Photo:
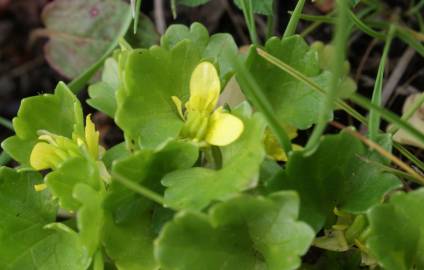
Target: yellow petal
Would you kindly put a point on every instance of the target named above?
(290, 130)
(43, 156)
(179, 106)
(40, 187)
(223, 128)
(91, 138)
(204, 88)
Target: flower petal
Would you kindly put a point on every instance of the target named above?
(204, 88)
(224, 128)
(43, 156)
(179, 106)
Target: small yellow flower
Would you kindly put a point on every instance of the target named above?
(273, 148)
(203, 124)
(52, 150)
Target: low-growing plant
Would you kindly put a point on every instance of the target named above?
(208, 175)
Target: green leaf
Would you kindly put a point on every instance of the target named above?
(25, 242)
(130, 244)
(192, 3)
(326, 54)
(102, 94)
(293, 101)
(335, 175)
(241, 160)
(396, 236)
(79, 41)
(263, 7)
(243, 233)
(145, 111)
(129, 228)
(90, 216)
(59, 113)
(147, 167)
(62, 181)
(114, 153)
(214, 48)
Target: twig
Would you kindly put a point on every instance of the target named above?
(397, 75)
(159, 16)
(364, 59)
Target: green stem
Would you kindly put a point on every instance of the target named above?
(365, 28)
(6, 123)
(416, 8)
(137, 15)
(374, 117)
(271, 22)
(340, 43)
(131, 185)
(246, 6)
(259, 100)
(174, 9)
(294, 19)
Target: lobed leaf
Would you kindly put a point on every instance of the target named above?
(243, 233)
(26, 243)
(241, 160)
(396, 236)
(336, 175)
(59, 113)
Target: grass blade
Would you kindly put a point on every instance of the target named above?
(294, 19)
(374, 117)
(255, 95)
(340, 43)
(136, 15)
(247, 7)
(6, 123)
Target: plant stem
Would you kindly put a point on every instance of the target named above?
(271, 22)
(294, 19)
(6, 123)
(249, 17)
(131, 185)
(340, 43)
(374, 117)
(136, 15)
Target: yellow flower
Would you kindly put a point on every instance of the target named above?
(273, 148)
(52, 150)
(203, 124)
